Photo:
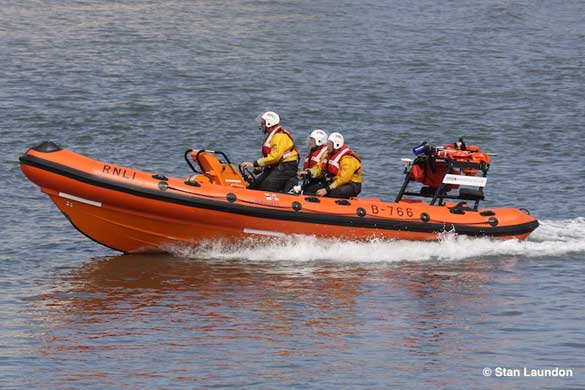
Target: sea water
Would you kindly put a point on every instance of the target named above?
(136, 83)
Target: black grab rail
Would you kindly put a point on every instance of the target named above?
(227, 160)
(189, 162)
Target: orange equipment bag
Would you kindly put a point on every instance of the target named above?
(430, 173)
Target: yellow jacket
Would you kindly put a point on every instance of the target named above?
(350, 170)
(317, 169)
(281, 150)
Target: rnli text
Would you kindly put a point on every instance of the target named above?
(116, 171)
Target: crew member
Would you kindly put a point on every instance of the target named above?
(310, 179)
(342, 168)
(279, 159)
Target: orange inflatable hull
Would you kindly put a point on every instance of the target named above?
(130, 210)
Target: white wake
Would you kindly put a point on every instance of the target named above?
(552, 238)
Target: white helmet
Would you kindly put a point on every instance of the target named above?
(271, 118)
(319, 136)
(336, 139)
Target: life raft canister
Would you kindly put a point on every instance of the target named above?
(331, 163)
(266, 145)
(313, 158)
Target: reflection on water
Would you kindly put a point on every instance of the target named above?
(170, 292)
(208, 319)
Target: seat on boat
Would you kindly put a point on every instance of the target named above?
(471, 194)
(223, 174)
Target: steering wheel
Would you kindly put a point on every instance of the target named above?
(248, 175)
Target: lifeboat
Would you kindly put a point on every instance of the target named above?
(136, 211)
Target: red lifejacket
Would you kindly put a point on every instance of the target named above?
(313, 158)
(331, 164)
(266, 145)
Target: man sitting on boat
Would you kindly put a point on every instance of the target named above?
(309, 181)
(279, 159)
(342, 169)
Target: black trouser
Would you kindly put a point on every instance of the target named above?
(310, 186)
(274, 178)
(346, 191)
(293, 181)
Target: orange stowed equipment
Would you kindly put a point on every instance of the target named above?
(216, 172)
(432, 164)
(464, 153)
(430, 172)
